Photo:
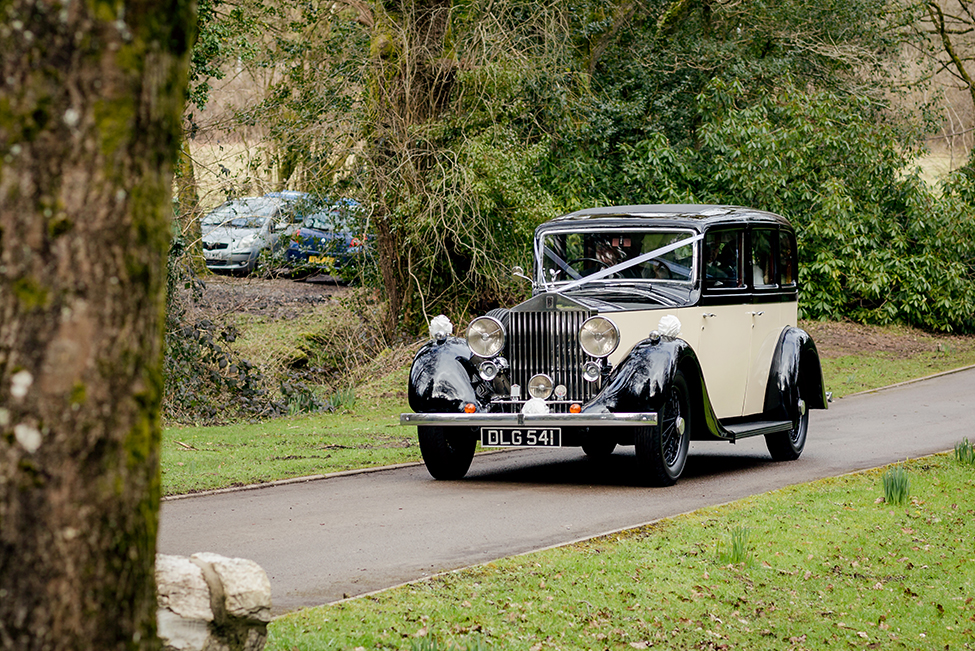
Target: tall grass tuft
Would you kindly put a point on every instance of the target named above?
(965, 453)
(739, 547)
(897, 486)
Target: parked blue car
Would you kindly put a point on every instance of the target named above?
(329, 240)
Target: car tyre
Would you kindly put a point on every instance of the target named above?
(661, 450)
(787, 446)
(599, 445)
(447, 451)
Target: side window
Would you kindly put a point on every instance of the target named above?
(787, 259)
(723, 261)
(763, 258)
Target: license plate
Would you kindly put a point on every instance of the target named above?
(320, 259)
(521, 437)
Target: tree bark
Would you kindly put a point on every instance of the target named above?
(90, 102)
(409, 86)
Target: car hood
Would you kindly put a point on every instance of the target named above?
(227, 235)
(611, 298)
(314, 233)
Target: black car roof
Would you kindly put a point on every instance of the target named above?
(698, 217)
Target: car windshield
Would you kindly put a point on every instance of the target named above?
(326, 221)
(251, 208)
(573, 258)
(250, 221)
(338, 218)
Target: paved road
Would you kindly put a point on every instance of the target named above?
(322, 540)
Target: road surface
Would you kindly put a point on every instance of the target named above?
(321, 541)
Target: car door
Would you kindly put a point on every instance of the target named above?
(724, 346)
(770, 311)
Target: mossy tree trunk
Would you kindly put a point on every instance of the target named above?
(411, 78)
(90, 102)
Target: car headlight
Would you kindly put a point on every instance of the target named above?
(485, 336)
(599, 336)
(246, 243)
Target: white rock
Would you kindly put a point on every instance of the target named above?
(246, 588)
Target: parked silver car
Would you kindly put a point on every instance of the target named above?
(235, 233)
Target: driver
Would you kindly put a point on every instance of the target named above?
(609, 253)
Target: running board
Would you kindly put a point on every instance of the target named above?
(757, 428)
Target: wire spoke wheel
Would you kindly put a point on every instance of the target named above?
(787, 446)
(662, 449)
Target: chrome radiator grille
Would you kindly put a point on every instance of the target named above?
(548, 342)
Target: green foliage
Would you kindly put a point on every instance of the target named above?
(897, 486)
(205, 381)
(965, 453)
(208, 380)
(876, 244)
(461, 140)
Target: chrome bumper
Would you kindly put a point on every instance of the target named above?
(534, 420)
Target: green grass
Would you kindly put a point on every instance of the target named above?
(854, 373)
(830, 565)
(367, 434)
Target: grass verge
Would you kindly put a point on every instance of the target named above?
(367, 434)
(827, 565)
(854, 373)
(363, 435)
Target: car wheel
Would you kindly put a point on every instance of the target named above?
(599, 445)
(662, 449)
(447, 451)
(787, 446)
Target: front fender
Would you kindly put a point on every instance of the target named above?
(440, 377)
(639, 381)
(795, 365)
(643, 377)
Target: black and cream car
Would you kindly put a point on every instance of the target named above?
(648, 326)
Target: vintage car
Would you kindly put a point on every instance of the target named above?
(648, 326)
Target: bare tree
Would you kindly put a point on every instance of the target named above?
(90, 102)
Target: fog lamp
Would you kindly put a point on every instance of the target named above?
(540, 386)
(591, 371)
(488, 370)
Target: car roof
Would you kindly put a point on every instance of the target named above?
(288, 195)
(253, 205)
(698, 217)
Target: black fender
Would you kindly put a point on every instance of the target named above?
(640, 381)
(795, 364)
(442, 377)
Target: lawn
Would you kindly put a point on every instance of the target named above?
(825, 565)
